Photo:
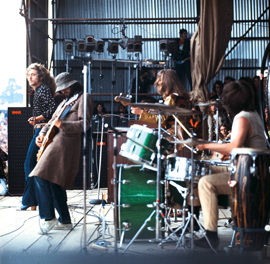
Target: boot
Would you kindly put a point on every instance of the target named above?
(212, 237)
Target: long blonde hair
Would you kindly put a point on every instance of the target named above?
(43, 74)
(170, 84)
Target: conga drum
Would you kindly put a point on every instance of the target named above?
(250, 194)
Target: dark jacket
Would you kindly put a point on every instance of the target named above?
(184, 53)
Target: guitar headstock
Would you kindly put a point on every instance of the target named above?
(124, 100)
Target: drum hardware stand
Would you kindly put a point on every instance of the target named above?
(184, 192)
(126, 226)
(139, 231)
(177, 139)
(192, 215)
(242, 231)
(102, 244)
(158, 180)
(98, 201)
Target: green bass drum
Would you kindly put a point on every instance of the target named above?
(136, 190)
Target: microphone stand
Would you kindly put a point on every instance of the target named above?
(115, 151)
(98, 201)
(84, 152)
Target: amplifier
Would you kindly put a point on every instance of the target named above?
(20, 134)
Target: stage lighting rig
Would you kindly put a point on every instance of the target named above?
(131, 44)
(99, 45)
(138, 44)
(68, 45)
(80, 45)
(113, 46)
(89, 43)
(167, 46)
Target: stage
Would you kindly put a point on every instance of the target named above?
(21, 243)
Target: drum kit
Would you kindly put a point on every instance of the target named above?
(142, 187)
(139, 189)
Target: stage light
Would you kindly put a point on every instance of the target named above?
(80, 45)
(99, 45)
(164, 45)
(167, 46)
(138, 44)
(89, 43)
(130, 45)
(113, 46)
(68, 45)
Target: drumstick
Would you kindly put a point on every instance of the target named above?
(177, 120)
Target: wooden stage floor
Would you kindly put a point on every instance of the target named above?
(21, 243)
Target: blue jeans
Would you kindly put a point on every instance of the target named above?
(50, 196)
(29, 196)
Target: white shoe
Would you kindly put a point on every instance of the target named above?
(46, 226)
(61, 226)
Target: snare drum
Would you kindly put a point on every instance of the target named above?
(179, 170)
(136, 192)
(141, 145)
(250, 182)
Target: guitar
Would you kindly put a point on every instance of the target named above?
(53, 129)
(124, 100)
(182, 61)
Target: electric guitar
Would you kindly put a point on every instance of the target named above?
(182, 61)
(53, 129)
(124, 100)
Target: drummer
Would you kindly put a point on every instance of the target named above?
(247, 131)
(173, 93)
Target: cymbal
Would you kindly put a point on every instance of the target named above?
(211, 103)
(183, 113)
(192, 142)
(167, 109)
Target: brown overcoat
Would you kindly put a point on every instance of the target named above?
(60, 161)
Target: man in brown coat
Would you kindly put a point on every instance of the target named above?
(58, 165)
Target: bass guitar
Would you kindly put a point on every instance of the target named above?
(53, 129)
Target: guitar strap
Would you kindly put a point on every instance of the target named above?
(65, 112)
(68, 107)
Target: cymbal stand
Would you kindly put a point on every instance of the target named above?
(158, 179)
(192, 215)
(176, 139)
(184, 193)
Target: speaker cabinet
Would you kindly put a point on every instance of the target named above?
(20, 134)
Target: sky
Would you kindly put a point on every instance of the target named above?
(12, 45)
